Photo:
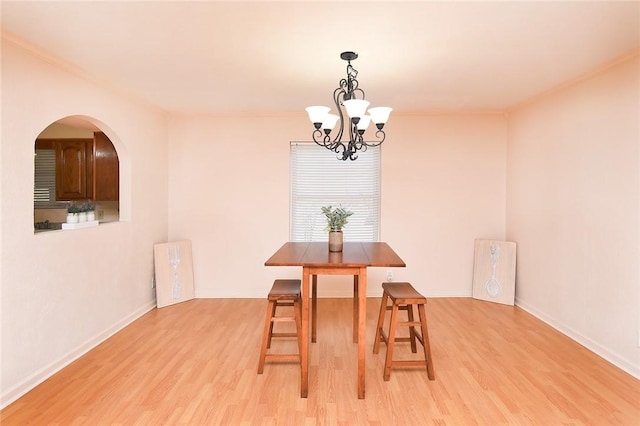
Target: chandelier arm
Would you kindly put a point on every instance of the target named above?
(344, 84)
(356, 137)
(341, 150)
(378, 142)
(357, 90)
(353, 149)
(327, 143)
(322, 144)
(352, 82)
(316, 133)
(335, 146)
(336, 99)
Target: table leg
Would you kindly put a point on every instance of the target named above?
(314, 307)
(304, 332)
(362, 320)
(355, 308)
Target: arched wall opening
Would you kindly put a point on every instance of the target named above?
(79, 162)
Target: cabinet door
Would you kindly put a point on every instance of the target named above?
(106, 170)
(71, 166)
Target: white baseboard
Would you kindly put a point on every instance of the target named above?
(9, 396)
(341, 292)
(446, 294)
(594, 347)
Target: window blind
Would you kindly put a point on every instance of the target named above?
(44, 188)
(318, 178)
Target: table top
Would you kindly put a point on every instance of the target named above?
(353, 254)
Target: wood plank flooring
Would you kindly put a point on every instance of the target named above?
(196, 364)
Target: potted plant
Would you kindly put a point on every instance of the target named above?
(90, 208)
(336, 219)
(73, 211)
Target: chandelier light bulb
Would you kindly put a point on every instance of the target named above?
(364, 123)
(317, 114)
(356, 107)
(329, 121)
(380, 115)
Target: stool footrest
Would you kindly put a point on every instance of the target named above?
(285, 302)
(408, 363)
(274, 334)
(408, 324)
(403, 339)
(283, 319)
(282, 357)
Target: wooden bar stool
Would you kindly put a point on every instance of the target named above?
(403, 296)
(283, 293)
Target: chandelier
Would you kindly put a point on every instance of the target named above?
(351, 97)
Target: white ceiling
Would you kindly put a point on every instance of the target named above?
(201, 57)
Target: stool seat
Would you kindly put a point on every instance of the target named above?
(403, 297)
(283, 293)
(403, 293)
(284, 290)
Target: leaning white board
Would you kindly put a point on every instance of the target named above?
(174, 272)
(494, 271)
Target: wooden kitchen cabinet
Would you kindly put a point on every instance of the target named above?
(106, 169)
(74, 169)
(86, 169)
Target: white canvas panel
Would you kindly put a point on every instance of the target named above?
(174, 273)
(494, 271)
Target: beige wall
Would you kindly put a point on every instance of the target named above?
(63, 292)
(443, 184)
(573, 207)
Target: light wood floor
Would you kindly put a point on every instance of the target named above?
(195, 364)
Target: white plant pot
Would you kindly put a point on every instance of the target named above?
(91, 216)
(72, 217)
(82, 217)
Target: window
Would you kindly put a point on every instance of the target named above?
(44, 191)
(319, 179)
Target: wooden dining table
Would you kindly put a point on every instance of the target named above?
(316, 259)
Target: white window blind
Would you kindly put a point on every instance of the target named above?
(44, 188)
(319, 179)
